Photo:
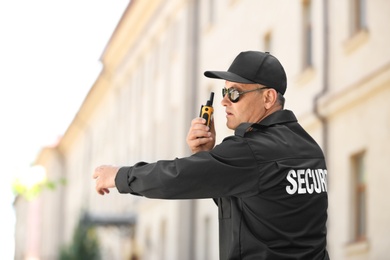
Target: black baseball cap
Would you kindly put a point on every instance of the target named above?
(251, 67)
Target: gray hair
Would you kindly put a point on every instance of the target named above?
(280, 100)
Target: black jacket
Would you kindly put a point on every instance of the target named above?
(269, 181)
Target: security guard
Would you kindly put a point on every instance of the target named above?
(268, 180)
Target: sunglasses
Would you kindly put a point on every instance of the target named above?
(234, 94)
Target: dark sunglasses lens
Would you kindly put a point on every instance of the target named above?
(233, 94)
(224, 91)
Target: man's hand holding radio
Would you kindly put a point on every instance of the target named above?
(200, 137)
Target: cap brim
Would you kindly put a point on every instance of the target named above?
(226, 75)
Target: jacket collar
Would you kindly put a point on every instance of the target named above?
(278, 117)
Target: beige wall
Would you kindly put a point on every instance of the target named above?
(152, 85)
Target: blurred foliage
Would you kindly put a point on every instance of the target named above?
(85, 244)
(30, 192)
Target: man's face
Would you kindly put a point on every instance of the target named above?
(248, 109)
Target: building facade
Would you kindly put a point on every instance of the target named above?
(337, 60)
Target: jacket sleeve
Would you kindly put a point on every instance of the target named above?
(230, 169)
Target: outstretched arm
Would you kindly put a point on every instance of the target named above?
(200, 138)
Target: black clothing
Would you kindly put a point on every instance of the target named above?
(269, 184)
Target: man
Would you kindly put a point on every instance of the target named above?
(268, 180)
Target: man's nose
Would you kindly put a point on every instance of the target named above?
(225, 101)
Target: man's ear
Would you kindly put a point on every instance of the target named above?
(270, 97)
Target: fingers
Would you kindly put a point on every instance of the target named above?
(103, 191)
(96, 173)
(198, 136)
(99, 171)
(198, 129)
(105, 178)
(201, 137)
(99, 184)
(212, 129)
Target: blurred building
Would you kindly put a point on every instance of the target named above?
(337, 58)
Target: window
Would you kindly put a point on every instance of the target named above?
(207, 13)
(207, 238)
(211, 14)
(359, 212)
(358, 16)
(307, 35)
(163, 240)
(148, 245)
(268, 43)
